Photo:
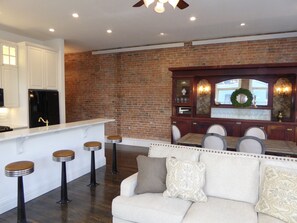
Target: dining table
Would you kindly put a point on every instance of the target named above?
(272, 147)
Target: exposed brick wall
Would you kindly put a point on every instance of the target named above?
(135, 87)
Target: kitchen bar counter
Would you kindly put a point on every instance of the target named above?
(37, 145)
(27, 132)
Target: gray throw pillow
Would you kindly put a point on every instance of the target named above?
(151, 175)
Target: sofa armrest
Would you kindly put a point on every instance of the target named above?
(128, 185)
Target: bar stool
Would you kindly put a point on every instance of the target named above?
(63, 156)
(20, 169)
(92, 146)
(114, 139)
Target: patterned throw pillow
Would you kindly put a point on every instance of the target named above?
(279, 194)
(185, 179)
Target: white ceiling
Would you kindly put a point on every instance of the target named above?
(142, 26)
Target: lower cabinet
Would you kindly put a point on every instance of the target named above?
(245, 125)
(201, 127)
(274, 130)
(184, 126)
(281, 132)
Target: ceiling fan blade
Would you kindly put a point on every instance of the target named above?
(182, 4)
(138, 4)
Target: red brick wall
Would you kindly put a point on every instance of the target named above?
(135, 87)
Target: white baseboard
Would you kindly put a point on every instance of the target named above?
(141, 142)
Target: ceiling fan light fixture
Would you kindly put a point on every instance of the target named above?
(173, 3)
(159, 7)
(148, 2)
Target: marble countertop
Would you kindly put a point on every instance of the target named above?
(27, 132)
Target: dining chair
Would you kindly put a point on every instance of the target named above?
(175, 134)
(216, 128)
(256, 132)
(214, 141)
(250, 144)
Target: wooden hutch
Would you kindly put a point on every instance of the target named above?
(194, 99)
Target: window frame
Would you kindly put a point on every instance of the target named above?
(9, 45)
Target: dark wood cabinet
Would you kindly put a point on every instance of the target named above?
(183, 125)
(281, 132)
(192, 111)
(201, 126)
(246, 125)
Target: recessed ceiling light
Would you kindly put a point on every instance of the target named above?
(162, 34)
(193, 18)
(242, 24)
(75, 15)
(51, 30)
(109, 31)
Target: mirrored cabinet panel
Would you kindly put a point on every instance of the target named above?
(258, 89)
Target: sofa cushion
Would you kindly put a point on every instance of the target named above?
(217, 210)
(264, 218)
(185, 179)
(233, 177)
(151, 176)
(169, 150)
(279, 194)
(150, 207)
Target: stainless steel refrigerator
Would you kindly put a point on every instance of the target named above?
(43, 107)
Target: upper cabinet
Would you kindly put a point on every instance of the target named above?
(50, 80)
(9, 77)
(182, 96)
(40, 66)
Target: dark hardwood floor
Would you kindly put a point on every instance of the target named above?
(88, 205)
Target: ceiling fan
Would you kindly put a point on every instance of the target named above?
(181, 4)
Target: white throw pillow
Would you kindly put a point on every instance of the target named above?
(185, 180)
(279, 194)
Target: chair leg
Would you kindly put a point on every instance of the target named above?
(21, 202)
(114, 159)
(93, 171)
(64, 195)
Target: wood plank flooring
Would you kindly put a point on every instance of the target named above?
(88, 205)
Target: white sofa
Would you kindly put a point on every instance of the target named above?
(232, 186)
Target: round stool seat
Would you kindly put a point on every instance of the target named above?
(92, 146)
(63, 155)
(18, 169)
(114, 139)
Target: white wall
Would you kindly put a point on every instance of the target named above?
(17, 38)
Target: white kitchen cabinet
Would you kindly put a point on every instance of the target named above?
(35, 67)
(42, 68)
(51, 70)
(10, 85)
